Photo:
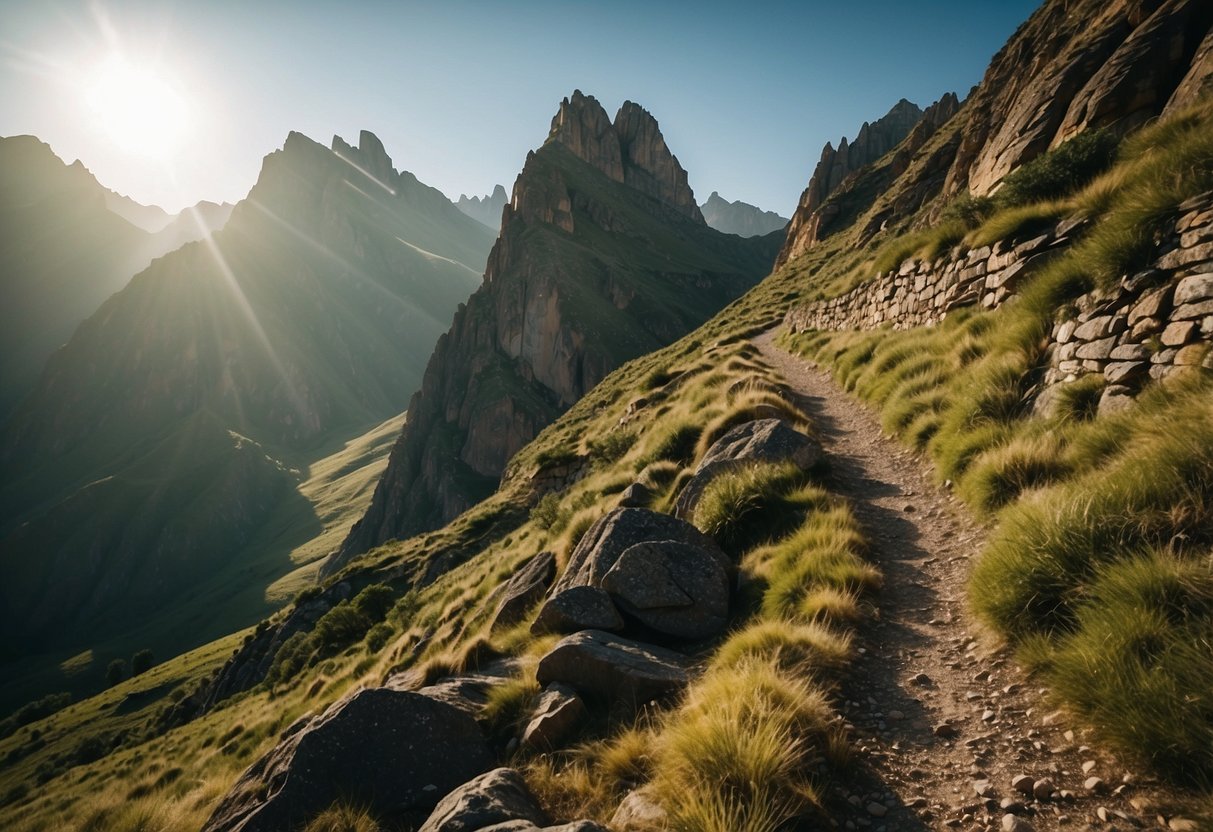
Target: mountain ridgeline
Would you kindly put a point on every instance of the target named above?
(603, 256)
(66, 244)
(184, 412)
(739, 217)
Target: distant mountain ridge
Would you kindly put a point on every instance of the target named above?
(180, 416)
(66, 244)
(603, 255)
(739, 217)
(486, 209)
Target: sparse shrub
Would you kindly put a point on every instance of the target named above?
(343, 818)
(1061, 171)
(611, 446)
(115, 672)
(291, 657)
(342, 625)
(34, 711)
(141, 662)
(545, 512)
(674, 443)
(970, 210)
(378, 636)
(374, 601)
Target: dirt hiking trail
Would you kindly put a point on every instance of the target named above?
(945, 725)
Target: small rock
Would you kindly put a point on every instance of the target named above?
(946, 730)
(1095, 785)
(983, 788)
(1088, 766)
(1102, 813)
(1014, 823)
(1023, 784)
(877, 810)
(556, 716)
(1010, 804)
(921, 680)
(1182, 825)
(1043, 789)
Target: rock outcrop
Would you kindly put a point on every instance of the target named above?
(740, 218)
(556, 716)
(524, 589)
(495, 797)
(1077, 66)
(577, 608)
(674, 588)
(605, 542)
(376, 747)
(576, 285)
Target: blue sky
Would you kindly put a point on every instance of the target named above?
(746, 93)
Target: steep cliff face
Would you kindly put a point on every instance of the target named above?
(739, 217)
(603, 256)
(1077, 66)
(307, 319)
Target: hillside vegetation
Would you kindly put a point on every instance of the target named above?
(1099, 568)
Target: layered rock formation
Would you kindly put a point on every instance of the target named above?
(739, 217)
(1077, 66)
(485, 210)
(148, 456)
(603, 256)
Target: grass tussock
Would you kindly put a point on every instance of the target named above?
(343, 818)
(753, 504)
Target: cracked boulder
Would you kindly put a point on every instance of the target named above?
(675, 588)
(577, 608)
(618, 530)
(524, 589)
(600, 664)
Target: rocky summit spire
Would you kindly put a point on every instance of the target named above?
(630, 150)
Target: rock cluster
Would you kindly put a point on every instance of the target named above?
(1153, 323)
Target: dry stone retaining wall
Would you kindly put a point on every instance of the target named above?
(1153, 323)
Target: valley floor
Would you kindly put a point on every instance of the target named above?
(945, 722)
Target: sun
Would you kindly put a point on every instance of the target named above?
(140, 110)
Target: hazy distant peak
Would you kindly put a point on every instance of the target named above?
(739, 217)
(485, 209)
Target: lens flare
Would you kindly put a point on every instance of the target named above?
(141, 111)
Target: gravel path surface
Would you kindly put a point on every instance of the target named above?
(945, 724)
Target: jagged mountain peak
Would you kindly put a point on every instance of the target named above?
(631, 149)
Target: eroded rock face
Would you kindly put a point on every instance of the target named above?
(1090, 64)
(760, 441)
(494, 797)
(675, 588)
(375, 747)
(604, 542)
(604, 665)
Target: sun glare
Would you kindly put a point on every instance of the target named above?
(137, 107)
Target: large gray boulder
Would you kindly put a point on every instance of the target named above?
(395, 752)
(600, 664)
(760, 441)
(675, 588)
(618, 530)
(577, 608)
(524, 589)
(495, 797)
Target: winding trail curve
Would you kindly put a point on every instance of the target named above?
(944, 722)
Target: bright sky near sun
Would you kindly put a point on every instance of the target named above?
(173, 102)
